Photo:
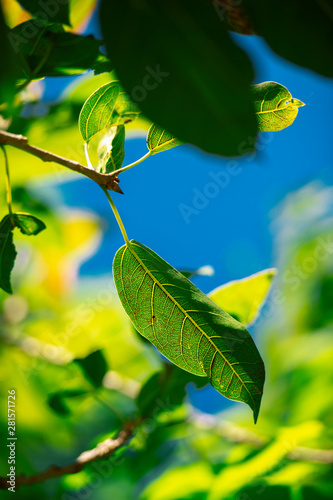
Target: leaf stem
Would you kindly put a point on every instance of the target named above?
(117, 216)
(123, 169)
(8, 186)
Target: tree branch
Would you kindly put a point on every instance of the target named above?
(110, 181)
(102, 450)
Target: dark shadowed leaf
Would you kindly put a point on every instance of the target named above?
(7, 253)
(166, 390)
(47, 50)
(8, 70)
(275, 107)
(28, 225)
(186, 326)
(94, 366)
(179, 63)
(301, 31)
(53, 12)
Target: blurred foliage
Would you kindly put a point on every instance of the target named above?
(59, 327)
(52, 329)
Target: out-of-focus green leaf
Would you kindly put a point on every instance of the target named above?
(47, 50)
(186, 326)
(275, 107)
(94, 366)
(179, 63)
(233, 478)
(7, 253)
(111, 150)
(57, 401)
(54, 11)
(166, 390)
(244, 298)
(302, 34)
(28, 224)
(159, 140)
(185, 482)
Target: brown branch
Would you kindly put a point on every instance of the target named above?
(110, 181)
(102, 450)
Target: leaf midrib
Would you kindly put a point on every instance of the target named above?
(289, 105)
(129, 246)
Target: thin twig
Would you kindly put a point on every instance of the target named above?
(102, 450)
(109, 181)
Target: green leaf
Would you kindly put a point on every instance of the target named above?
(7, 253)
(186, 326)
(111, 150)
(97, 112)
(54, 11)
(181, 66)
(275, 107)
(244, 298)
(57, 401)
(50, 51)
(106, 107)
(94, 367)
(301, 31)
(159, 140)
(28, 224)
(165, 390)
(126, 109)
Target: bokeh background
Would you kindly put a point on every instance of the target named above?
(273, 208)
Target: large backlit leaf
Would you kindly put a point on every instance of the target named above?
(244, 298)
(180, 64)
(186, 326)
(159, 140)
(301, 31)
(55, 12)
(7, 253)
(275, 107)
